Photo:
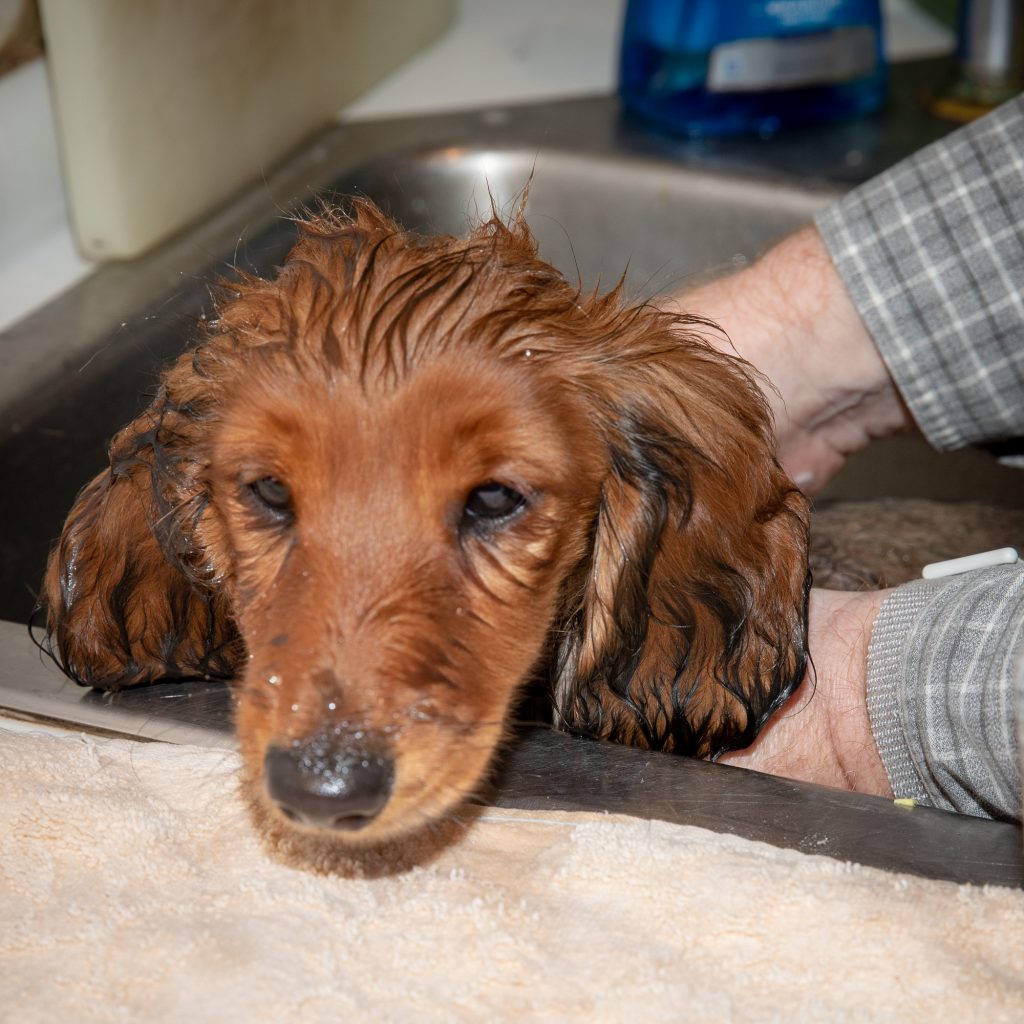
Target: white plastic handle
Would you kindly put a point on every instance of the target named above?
(982, 560)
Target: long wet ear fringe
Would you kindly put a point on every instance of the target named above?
(691, 627)
(127, 594)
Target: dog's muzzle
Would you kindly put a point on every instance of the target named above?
(336, 780)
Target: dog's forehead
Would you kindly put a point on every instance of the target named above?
(474, 413)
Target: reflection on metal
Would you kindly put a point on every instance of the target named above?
(33, 688)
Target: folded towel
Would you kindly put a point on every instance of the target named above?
(133, 887)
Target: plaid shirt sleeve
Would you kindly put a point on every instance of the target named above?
(932, 254)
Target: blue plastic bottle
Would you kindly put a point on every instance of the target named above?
(722, 67)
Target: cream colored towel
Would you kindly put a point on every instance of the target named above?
(132, 888)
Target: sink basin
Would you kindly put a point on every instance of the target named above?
(605, 199)
(672, 226)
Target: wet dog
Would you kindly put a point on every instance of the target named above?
(406, 477)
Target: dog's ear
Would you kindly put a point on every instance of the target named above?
(127, 595)
(691, 629)
(133, 590)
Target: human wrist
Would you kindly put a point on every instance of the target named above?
(822, 734)
(840, 626)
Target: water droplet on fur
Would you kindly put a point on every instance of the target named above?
(274, 680)
(420, 712)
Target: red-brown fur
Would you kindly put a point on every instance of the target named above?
(656, 576)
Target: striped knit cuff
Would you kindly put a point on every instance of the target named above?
(886, 669)
(940, 690)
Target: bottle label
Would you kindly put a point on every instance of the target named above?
(753, 65)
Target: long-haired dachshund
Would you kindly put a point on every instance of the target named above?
(408, 476)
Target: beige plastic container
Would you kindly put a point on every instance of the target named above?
(166, 107)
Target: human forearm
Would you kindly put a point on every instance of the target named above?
(790, 316)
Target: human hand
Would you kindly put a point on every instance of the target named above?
(790, 316)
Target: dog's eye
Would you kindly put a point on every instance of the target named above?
(491, 503)
(272, 493)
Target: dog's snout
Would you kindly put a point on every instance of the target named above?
(330, 781)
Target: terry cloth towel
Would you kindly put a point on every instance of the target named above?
(133, 888)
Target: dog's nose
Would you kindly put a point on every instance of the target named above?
(330, 781)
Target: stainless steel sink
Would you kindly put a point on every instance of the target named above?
(605, 199)
(668, 226)
(82, 367)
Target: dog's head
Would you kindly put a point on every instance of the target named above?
(407, 475)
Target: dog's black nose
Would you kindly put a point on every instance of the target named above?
(331, 780)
